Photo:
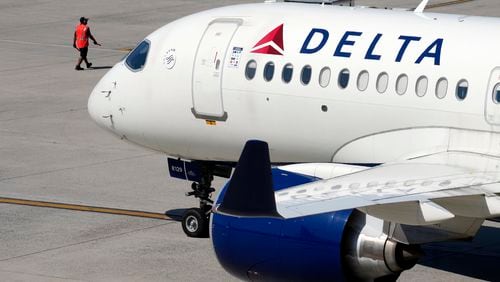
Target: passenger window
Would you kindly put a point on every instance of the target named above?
(287, 73)
(462, 89)
(363, 79)
(137, 58)
(496, 94)
(441, 88)
(305, 76)
(421, 86)
(324, 77)
(251, 69)
(269, 71)
(344, 76)
(402, 84)
(382, 82)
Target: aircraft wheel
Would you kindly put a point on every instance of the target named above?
(195, 223)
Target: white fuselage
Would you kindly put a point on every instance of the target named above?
(192, 98)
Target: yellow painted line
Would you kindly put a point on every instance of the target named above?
(449, 3)
(124, 49)
(73, 207)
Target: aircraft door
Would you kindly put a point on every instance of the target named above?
(492, 112)
(208, 69)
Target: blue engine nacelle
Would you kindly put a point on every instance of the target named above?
(335, 246)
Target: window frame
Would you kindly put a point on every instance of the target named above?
(326, 68)
(145, 60)
(437, 87)
(494, 93)
(264, 71)
(398, 80)
(367, 80)
(283, 73)
(422, 77)
(302, 75)
(384, 73)
(458, 86)
(246, 69)
(341, 72)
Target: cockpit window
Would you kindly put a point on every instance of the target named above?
(137, 58)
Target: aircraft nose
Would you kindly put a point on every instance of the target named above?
(94, 107)
(98, 106)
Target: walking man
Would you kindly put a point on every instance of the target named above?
(81, 42)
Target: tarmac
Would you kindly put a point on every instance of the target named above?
(51, 151)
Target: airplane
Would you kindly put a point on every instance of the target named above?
(356, 134)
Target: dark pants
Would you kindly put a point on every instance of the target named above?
(84, 52)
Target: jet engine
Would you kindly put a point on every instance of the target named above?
(338, 246)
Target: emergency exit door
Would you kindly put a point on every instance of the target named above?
(492, 112)
(208, 69)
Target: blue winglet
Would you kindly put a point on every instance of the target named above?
(250, 191)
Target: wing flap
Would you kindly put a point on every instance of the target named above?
(420, 191)
(411, 213)
(478, 206)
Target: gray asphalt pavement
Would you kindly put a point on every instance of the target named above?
(50, 150)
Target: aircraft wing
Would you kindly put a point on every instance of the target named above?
(421, 191)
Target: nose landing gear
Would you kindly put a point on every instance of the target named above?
(196, 221)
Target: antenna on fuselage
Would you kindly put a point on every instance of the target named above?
(421, 7)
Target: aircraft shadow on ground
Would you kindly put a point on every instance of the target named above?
(479, 258)
(176, 214)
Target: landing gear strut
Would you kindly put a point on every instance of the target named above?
(195, 221)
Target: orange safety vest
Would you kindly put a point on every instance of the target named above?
(82, 39)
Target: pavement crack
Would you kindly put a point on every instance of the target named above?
(86, 242)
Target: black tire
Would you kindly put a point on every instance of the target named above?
(195, 223)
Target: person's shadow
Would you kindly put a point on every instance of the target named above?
(100, 67)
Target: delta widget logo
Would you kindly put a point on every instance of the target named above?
(271, 44)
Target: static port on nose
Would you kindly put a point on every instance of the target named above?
(98, 105)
